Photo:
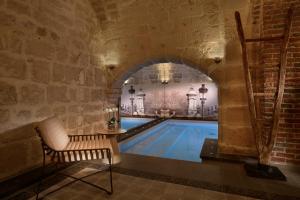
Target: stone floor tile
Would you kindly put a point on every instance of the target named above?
(213, 195)
(175, 189)
(134, 188)
(192, 193)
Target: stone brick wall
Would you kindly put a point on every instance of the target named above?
(54, 55)
(287, 146)
(48, 66)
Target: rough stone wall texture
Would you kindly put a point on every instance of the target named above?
(287, 144)
(48, 66)
(53, 55)
(140, 33)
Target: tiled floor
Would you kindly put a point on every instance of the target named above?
(135, 188)
(213, 175)
(142, 177)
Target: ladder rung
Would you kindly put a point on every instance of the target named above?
(260, 119)
(264, 39)
(263, 67)
(263, 94)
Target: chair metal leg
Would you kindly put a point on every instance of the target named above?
(75, 179)
(41, 177)
(110, 176)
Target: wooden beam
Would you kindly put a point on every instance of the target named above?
(264, 94)
(265, 39)
(281, 82)
(262, 67)
(247, 75)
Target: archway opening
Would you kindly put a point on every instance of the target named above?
(168, 89)
(182, 99)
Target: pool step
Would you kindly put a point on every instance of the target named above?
(210, 152)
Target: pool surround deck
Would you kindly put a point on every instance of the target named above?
(220, 176)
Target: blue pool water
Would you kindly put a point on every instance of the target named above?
(128, 122)
(175, 139)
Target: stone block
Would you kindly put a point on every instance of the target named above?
(76, 44)
(15, 43)
(17, 134)
(7, 20)
(218, 75)
(73, 94)
(62, 54)
(32, 94)
(233, 4)
(58, 73)
(57, 94)
(72, 122)
(75, 109)
(80, 120)
(236, 150)
(233, 52)
(44, 16)
(95, 60)
(13, 158)
(40, 71)
(238, 136)
(18, 7)
(89, 119)
(44, 112)
(12, 41)
(60, 110)
(74, 75)
(54, 36)
(236, 116)
(88, 129)
(12, 67)
(234, 75)
(74, 57)
(233, 95)
(99, 126)
(84, 95)
(85, 60)
(97, 95)
(24, 115)
(41, 32)
(89, 77)
(4, 115)
(40, 49)
(4, 38)
(91, 108)
(8, 94)
(35, 151)
(99, 77)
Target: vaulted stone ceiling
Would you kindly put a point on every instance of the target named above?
(176, 73)
(133, 32)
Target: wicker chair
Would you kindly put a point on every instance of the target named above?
(63, 148)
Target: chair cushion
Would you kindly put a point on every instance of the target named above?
(53, 133)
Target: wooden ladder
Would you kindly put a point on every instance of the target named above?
(265, 147)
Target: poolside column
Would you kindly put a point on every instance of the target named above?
(131, 92)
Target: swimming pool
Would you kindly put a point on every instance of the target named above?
(175, 139)
(129, 122)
